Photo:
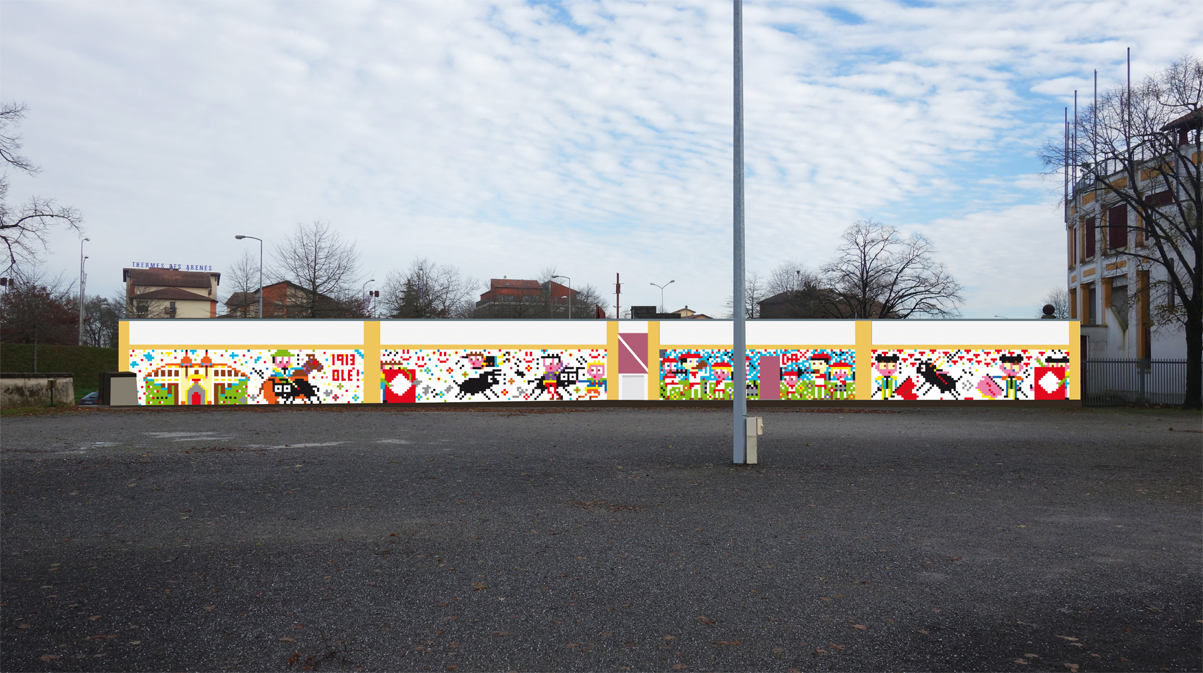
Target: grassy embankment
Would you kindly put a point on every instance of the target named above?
(84, 362)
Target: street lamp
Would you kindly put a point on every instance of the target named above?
(82, 279)
(569, 294)
(240, 237)
(363, 295)
(662, 292)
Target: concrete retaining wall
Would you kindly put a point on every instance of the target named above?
(26, 389)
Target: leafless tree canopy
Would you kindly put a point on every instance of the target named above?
(23, 229)
(102, 319)
(327, 267)
(756, 290)
(242, 282)
(1058, 297)
(1138, 150)
(36, 308)
(428, 290)
(878, 274)
(790, 276)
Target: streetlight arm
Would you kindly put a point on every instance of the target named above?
(240, 237)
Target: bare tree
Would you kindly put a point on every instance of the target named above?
(1135, 150)
(39, 310)
(325, 266)
(790, 276)
(242, 281)
(1058, 297)
(878, 274)
(102, 318)
(427, 290)
(755, 291)
(23, 230)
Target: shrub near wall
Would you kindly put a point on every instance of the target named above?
(85, 363)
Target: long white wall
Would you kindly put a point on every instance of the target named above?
(452, 333)
(245, 332)
(928, 333)
(593, 333)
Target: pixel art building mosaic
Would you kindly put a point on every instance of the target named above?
(253, 376)
(773, 374)
(492, 375)
(945, 374)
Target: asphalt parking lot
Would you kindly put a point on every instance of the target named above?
(606, 539)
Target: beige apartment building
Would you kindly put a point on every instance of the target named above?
(169, 293)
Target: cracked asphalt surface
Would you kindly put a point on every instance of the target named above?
(603, 539)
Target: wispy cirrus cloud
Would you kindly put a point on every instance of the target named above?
(595, 136)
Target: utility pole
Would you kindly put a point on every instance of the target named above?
(83, 278)
(739, 353)
(617, 297)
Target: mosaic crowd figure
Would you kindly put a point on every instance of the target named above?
(819, 365)
(886, 382)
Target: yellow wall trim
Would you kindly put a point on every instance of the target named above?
(864, 364)
(1116, 265)
(612, 360)
(1087, 198)
(1088, 272)
(123, 346)
(371, 362)
(653, 359)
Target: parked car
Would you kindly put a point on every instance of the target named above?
(91, 398)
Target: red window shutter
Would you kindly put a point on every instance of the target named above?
(1117, 226)
(1160, 199)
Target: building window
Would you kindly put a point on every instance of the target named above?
(1073, 303)
(142, 309)
(1117, 227)
(1091, 304)
(1089, 237)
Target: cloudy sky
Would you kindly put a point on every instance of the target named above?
(593, 136)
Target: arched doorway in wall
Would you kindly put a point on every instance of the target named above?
(195, 394)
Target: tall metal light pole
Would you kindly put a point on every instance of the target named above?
(363, 295)
(569, 294)
(662, 292)
(82, 279)
(739, 441)
(240, 237)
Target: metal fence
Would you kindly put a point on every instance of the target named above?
(1111, 382)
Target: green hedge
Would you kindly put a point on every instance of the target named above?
(84, 362)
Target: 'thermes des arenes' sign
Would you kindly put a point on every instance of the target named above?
(173, 266)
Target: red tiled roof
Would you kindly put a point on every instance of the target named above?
(515, 283)
(172, 293)
(1190, 120)
(169, 277)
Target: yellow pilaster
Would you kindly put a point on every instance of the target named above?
(123, 346)
(864, 360)
(653, 359)
(611, 359)
(371, 361)
(1075, 359)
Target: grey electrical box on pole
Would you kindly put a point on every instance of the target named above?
(739, 353)
(754, 427)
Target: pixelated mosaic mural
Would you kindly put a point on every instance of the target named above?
(253, 376)
(773, 374)
(946, 374)
(492, 375)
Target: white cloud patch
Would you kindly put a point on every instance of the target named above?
(595, 136)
